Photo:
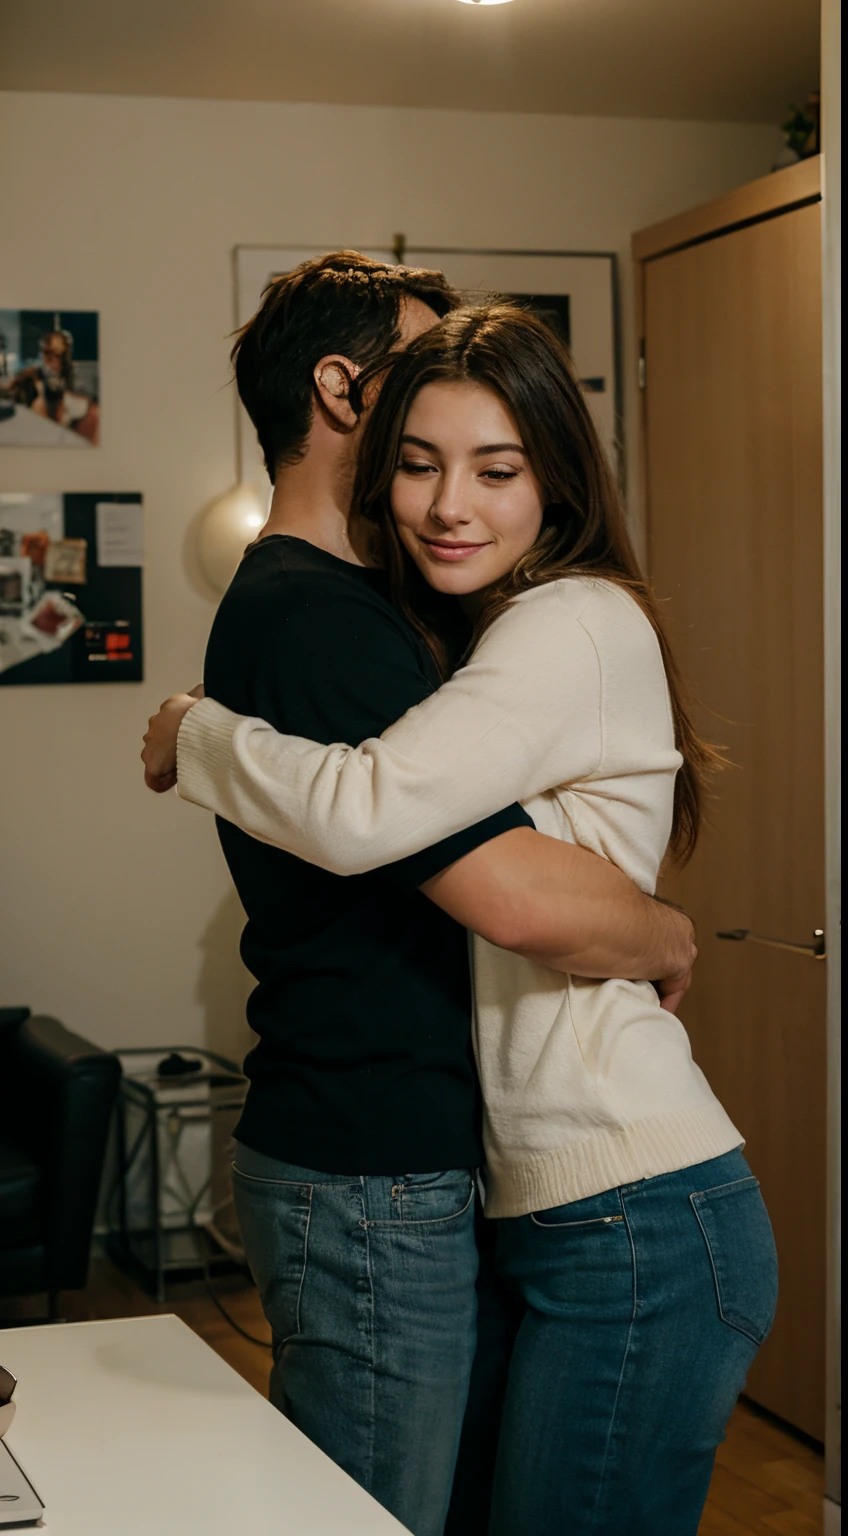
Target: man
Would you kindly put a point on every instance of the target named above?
(362, 1083)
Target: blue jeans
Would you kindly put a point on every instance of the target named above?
(368, 1284)
(645, 1307)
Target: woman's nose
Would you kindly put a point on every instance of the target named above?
(449, 507)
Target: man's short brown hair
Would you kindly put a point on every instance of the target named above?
(342, 302)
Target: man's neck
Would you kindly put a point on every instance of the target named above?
(311, 501)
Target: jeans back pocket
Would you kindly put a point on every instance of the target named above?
(740, 1244)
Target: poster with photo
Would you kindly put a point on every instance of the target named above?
(575, 293)
(49, 378)
(70, 588)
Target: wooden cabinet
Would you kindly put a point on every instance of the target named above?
(730, 319)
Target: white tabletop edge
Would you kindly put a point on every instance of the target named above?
(88, 1322)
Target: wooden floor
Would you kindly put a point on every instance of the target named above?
(765, 1480)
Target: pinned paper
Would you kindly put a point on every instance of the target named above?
(65, 561)
(120, 533)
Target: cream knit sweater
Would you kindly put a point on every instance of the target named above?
(564, 706)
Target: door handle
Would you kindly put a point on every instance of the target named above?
(816, 950)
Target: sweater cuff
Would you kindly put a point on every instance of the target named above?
(205, 752)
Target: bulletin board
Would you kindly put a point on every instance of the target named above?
(71, 588)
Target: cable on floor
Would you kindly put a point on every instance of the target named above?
(197, 1237)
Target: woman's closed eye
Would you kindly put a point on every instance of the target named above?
(421, 467)
(417, 467)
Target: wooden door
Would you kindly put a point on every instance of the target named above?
(733, 435)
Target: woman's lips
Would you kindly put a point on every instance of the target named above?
(451, 551)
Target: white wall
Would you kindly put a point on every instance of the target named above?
(115, 907)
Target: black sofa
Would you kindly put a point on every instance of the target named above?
(57, 1092)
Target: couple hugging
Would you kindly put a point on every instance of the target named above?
(514, 1262)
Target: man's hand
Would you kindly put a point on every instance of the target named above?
(160, 740)
(673, 989)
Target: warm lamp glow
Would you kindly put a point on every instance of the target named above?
(229, 526)
(484, 2)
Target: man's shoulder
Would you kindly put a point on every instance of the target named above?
(288, 597)
(281, 574)
(314, 646)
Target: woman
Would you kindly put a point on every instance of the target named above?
(629, 1223)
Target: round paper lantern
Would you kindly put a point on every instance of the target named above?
(231, 523)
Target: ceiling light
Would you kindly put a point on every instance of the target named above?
(484, 2)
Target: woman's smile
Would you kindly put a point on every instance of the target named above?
(451, 549)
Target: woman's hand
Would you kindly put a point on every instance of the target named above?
(160, 740)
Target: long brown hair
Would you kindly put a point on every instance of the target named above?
(510, 351)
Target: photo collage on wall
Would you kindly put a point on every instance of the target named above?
(70, 562)
(70, 588)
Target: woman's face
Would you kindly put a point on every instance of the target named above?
(466, 502)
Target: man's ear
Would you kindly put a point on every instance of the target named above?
(333, 379)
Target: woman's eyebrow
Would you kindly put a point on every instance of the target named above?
(479, 453)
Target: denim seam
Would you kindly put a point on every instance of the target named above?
(305, 1263)
(372, 1362)
(256, 1178)
(421, 1221)
(625, 1356)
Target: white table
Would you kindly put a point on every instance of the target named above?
(137, 1428)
